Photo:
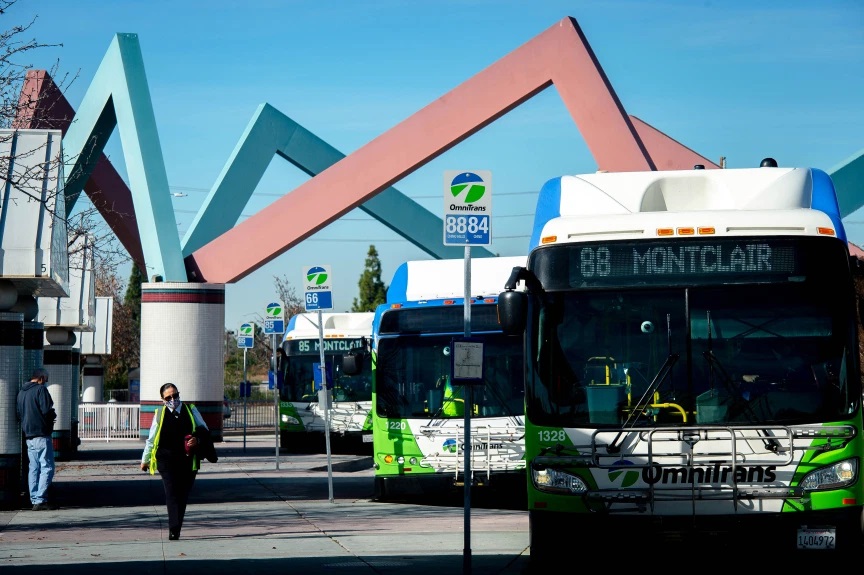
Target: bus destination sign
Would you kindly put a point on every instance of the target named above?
(662, 261)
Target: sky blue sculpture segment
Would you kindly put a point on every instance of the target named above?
(119, 96)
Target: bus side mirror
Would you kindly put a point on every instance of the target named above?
(352, 363)
(512, 311)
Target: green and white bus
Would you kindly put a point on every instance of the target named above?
(692, 363)
(301, 415)
(418, 412)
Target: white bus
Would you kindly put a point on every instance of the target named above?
(418, 412)
(301, 416)
(692, 365)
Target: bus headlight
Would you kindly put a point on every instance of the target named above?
(834, 476)
(290, 420)
(557, 481)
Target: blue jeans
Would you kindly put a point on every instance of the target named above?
(40, 451)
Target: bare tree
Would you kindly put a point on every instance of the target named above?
(32, 98)
(20, 108)
(107, 251)
(14, 46)
(291, 305)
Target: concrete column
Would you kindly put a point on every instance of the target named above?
(34, 344)
(93, 379)
(61, 361)
(182, 331)
(75, 391)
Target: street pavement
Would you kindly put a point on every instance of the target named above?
(251, 512)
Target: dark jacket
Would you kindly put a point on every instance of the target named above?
(36, 410)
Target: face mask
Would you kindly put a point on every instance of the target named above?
(173, 404)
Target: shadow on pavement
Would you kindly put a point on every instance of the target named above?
(417, 565)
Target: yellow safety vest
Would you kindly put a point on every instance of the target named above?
(453, 406)
(160, 413)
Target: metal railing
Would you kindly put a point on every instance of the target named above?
(108, 421)
(259, 415)
(115, 421)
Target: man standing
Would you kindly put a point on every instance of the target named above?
(37, 415)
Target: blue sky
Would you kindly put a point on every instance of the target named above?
(737, 79)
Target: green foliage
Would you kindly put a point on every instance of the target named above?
(257, 361)
(372, 290)
(125, 331)
(132, 299)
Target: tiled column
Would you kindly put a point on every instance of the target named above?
(182, 342)
(11, 379)
(34, 343)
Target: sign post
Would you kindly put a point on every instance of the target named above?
(318, 295)
(245, 341)
(467, 222)
(274, 324)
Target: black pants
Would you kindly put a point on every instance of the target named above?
(178, 481)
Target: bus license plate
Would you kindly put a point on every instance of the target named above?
(816, 538)
(367, 438)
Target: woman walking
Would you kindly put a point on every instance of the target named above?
(171, 449)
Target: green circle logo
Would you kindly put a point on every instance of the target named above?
(316, 275)
(274, 309)
(470, 184)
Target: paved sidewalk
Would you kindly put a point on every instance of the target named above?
(247, 516)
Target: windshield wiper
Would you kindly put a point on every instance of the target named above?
(738, 400)
(645, 400)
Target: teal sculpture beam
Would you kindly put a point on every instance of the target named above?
(119, 96)
(848, 179)
(271, 132)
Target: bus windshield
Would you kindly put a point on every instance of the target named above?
(693, 354)
(412, 378)
(299, 378)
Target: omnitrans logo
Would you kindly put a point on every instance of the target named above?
(628, 476)
(274, 309)
(316, 275)
(469, 188)
(452, 446)
(716, 473)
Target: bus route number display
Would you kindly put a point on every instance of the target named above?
(642, 261)
(466, 230)
(312, 347)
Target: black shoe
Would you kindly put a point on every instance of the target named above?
(45, 506)
(173, 535)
